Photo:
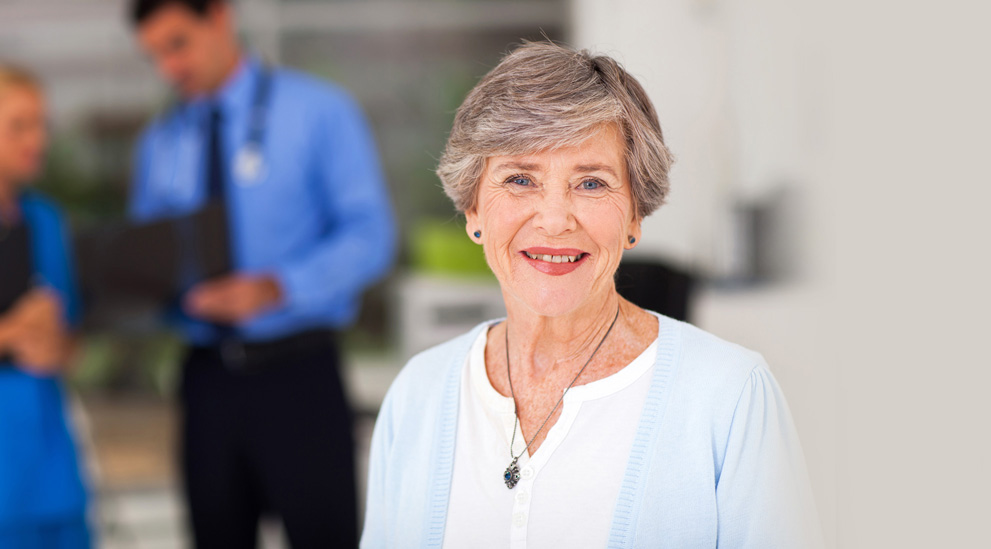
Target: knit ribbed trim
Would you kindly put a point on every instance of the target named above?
(628, 504)
(442, 463)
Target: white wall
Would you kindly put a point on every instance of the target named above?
(876, 113)
(677, 53)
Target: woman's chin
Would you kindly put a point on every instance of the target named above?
(550, 295)
(553, 302)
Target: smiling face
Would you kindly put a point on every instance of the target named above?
(191, 51)
(23, 134)
(555, 223)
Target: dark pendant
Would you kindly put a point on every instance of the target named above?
(512, 475)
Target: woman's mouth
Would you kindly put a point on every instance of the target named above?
(554, 261)
(554, 258)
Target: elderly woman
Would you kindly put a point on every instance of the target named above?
(42, 495)
(580, 420)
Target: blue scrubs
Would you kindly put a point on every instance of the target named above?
(42, 495)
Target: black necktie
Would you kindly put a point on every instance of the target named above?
(216, 180)
(215, 174)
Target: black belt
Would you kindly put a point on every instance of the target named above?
(249, 357)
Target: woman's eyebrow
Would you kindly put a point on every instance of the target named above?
(596, 168)
(521, 166)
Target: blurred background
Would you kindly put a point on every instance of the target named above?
(827, 210)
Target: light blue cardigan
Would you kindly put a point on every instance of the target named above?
(715, 462)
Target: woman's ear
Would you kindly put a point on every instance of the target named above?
(633, 233)
(473, 226)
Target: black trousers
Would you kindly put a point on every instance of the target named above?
(277, 440)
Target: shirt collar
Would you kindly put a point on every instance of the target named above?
(239, 89)
(236, 92)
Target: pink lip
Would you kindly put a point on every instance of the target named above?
(554, 269)
(554, 251)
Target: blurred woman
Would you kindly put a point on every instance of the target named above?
(42, 496)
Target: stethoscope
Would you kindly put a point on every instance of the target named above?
(249, 162)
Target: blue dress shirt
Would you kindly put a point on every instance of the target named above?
(41, 490)
(316, 213)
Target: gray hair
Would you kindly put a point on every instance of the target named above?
(15, 76)
(543, 96)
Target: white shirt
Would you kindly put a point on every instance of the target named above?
(568, 489)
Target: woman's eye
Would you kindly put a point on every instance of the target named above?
(591, 184)
(520, 180)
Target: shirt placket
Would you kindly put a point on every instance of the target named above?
(529, 471)
(521, 506)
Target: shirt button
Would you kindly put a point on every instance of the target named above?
(526, 472)
(522, 497)
(519, 519)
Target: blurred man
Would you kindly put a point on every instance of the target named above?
(292, 161)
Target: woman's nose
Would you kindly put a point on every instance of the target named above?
(555, 215)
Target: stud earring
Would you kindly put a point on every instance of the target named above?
(478, 234)
(632, 240)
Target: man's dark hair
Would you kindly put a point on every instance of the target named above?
(141, 10)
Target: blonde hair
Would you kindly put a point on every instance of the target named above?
(14, 76)
(544, 96)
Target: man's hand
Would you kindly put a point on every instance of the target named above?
(232, 299)
(34, 333)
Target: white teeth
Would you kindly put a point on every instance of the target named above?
(553, 258)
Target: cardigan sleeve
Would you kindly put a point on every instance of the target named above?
(375, 531)
(763, 495)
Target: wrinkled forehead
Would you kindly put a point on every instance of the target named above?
(601, 146)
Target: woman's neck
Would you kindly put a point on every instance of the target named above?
(539, 343)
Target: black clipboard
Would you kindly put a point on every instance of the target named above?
(16, 265)
(146, 265)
